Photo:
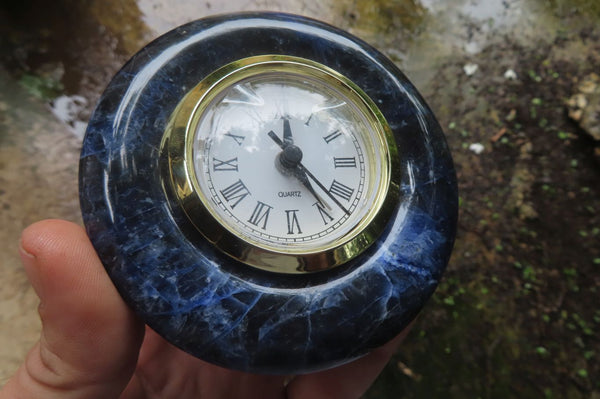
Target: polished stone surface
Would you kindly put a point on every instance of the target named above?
(201, 300)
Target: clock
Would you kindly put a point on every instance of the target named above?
(282, 163)
(268, 193)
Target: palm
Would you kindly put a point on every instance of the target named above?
(164, 371)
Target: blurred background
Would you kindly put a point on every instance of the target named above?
(514, 83)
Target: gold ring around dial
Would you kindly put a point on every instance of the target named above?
(181, 183)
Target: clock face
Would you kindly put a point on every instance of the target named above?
(287, 160)
(286, 163)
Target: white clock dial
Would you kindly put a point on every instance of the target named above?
(281, 163)
(286, 162)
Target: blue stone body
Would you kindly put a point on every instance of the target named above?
(200, 299)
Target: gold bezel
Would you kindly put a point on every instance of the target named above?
(180, 181)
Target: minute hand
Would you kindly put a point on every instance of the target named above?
(299, 174)
(300, 167)
(322, 187)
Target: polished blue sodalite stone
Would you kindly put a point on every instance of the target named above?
(212, 306)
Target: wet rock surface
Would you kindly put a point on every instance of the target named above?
(38, 179)
(517, 312)
(584, 106)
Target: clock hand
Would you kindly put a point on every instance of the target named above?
(303, 171)
(301, 175)
(276, 139)
(292, 167)
(322, 187)
(287, 132)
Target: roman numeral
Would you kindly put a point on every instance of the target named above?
(229, 165)
(238, 139)
(324, 215)
(341, 190)
(260, 214)
(332, 136)
(292, 221)
(307, 123)
(344, 162)
(235, 193)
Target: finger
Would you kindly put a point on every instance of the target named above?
(348, 381)
(90, 339)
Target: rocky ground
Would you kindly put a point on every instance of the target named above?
(517, 314)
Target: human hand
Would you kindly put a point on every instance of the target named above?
(93, 346)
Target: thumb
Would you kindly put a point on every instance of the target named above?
(90, 340)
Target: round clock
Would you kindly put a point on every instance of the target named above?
(282, 163)
(268, 193)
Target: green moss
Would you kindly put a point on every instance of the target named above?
(41, 87)
(585, 8)
(384, 16)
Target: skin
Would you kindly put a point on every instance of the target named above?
(93, 346)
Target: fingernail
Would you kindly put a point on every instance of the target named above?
(26, 256)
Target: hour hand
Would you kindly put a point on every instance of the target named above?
(276, 139)
(298, 170)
